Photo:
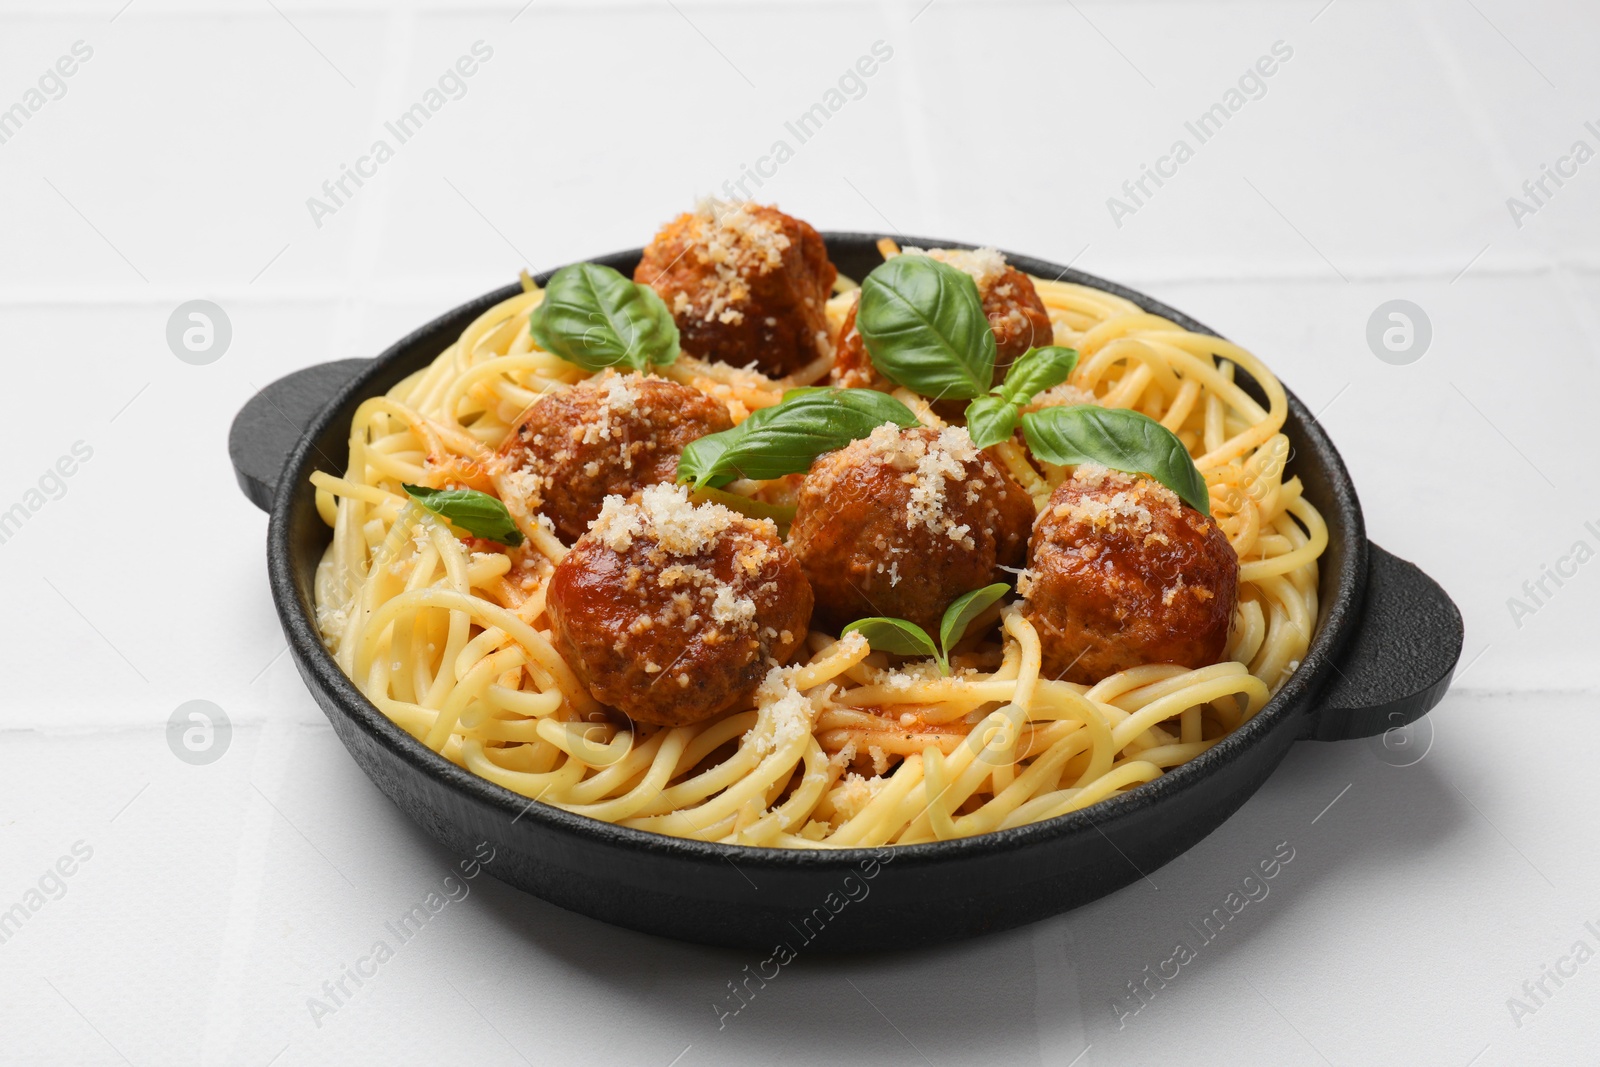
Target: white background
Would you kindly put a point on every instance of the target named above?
(1377, 165)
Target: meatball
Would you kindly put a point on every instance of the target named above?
(902, 522)
(607, 435)
(673, 612)
(1016, 315)
(746, 284)
(1122, 573)
(852, 366)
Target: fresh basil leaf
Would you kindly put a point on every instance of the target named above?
(1120, 439)
(480, 514)
(596, 318)
(924, 327)
(786, 437)
(959, 615)
(990, 420)
(897, 637)
(1036, 370)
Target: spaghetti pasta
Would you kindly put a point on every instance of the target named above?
(450, 637)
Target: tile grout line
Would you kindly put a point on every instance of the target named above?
(1463, 88)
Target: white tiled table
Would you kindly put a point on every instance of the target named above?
(1375, 164)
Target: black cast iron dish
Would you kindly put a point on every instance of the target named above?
(1386, 645)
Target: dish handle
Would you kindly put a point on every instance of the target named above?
(272, 422)
(1400, 659)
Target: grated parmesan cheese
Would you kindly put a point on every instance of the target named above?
(928, 466)
(853, 793)
(621, 391)
(1115, 502)
(331, 621)
(620, 394)
(738, 244)
(1064, 395)
(730, 609)
(785, 712)
(527, 485)
(665, 512)
(910, 674)
(1025, 579)
(672, 526)
(985, 265)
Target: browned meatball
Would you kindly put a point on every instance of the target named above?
(904, 521)
(673, 612)
(607, 435)
(1011, 303)
(852, 366)
(746, 284)
(1122, 573)
(1017, 316)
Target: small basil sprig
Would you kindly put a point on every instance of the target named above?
(480, 514)
(901, 638)
(1120, 439)
(992, 418)
(786, 437)
(897, 637)
(923, 325)
(596, 318)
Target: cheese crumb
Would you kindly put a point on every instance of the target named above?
(620, 395)
(985, 265)
(738, 244)
(730, 609)
(680, 527)
(1064, 395)
(1116, 501)
(928, 465)
(672, 526)
(331, 622)
(525, 485)
(880, 760)
(1025, 579)
(785, 712)
(910, 674)
(854, 793)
